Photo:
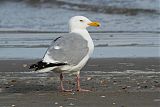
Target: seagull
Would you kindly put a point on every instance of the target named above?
(69, 52)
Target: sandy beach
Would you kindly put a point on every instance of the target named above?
(115, 82)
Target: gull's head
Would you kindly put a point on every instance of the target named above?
(81, 22)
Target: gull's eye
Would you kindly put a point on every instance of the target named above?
(81, 20)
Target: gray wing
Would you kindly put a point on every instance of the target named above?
(71, 49)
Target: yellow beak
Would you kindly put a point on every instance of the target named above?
(96, 24)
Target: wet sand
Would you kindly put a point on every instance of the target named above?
(115, 82)
(98, 99)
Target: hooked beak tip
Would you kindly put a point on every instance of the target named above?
(96, 24)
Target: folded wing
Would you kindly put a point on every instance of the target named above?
(70, 48)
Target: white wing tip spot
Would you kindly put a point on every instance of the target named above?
(56, 47)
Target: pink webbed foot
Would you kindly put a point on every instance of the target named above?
(83, 90)
(64, 90)
(79, 89)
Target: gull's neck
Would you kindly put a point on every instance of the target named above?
(83, 32)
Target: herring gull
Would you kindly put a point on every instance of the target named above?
(69, 52)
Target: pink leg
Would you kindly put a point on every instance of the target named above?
(61, 84)
(78, 85)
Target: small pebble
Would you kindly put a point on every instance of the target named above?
(138, 87)
(124, 87)
(13, 80)
(89, 78)
(144, 81)
(153, 86)
(114, 103)
(13, 105)
(56, 103)
(103, 96)
(155, 81)
(145, 86)
(103, 82)
(128, 86)
(12, 85)
(114, 83)
(60, 106)
(71, 104)
(73, 93)
(138, 83)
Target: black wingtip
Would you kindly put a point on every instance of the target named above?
(41, 65)
(32, 66)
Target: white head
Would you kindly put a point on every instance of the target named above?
(81, 22)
